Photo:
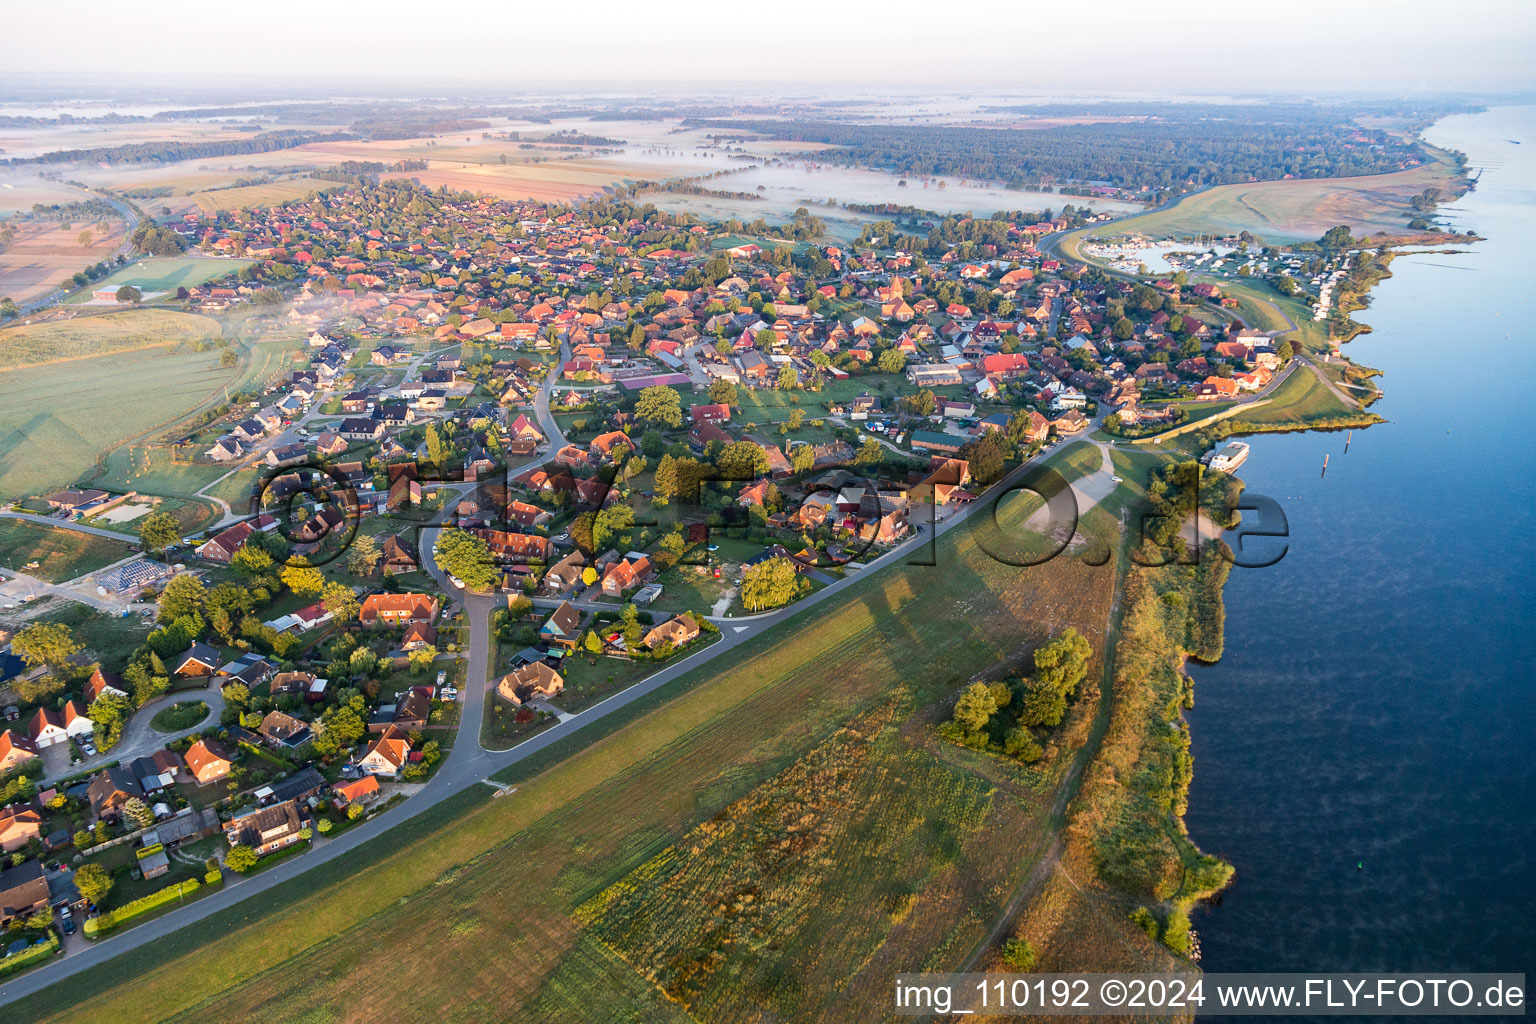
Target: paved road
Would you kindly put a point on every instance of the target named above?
(67, 524)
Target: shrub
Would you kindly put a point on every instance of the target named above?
(128, 911)
(241, 858)
(1142, 918)
(1019, 954)
(1176, 934)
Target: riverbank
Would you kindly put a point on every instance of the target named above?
(1364, 742)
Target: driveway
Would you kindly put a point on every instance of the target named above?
(140, 738)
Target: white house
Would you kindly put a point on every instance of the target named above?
(76, 724)
(47, 729)
(1071, 398)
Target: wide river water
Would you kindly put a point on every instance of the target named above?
(1365, 753)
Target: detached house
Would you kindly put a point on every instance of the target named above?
(14, 750)
(268, 829)
(563, 628)
(47, 728)
(207, 761)
(533, 681)
(679, 631)
(397, 608)
(387, 754)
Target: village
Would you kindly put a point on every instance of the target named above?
(630, 429)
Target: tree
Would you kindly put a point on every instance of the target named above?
(241, 858)
(742, 460)
(892, 360)
(1063, 663)
(250, 560)
(184, 595)
(85, 238)
(660, 405)
(363, 556)
(589, 576)
(592, 642)
(974, 708)
(722, 391)
(128, 293)
(302, 578)
(159, 531)
(467, 558)
(135, 811)
(986, 457)
(421, 660)
(1044, 705)
(796, 418)
(1336, 238)
(1020, 743)
(789, 377)
(436, 450)
(920, 404)
(1124, 330)
(49, 644)
(339, 600)
(612, 521)
(770, 584)
(93, 882)
(803, 459)
(869, 453)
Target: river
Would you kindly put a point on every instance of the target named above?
(1364, 751)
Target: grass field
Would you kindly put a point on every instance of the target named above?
(54, 425)
(109, 638)
(512, 875)
(153, 469)
(104, 334)
(166, 275)
(1301, 399)
(1295, 210)
(61, 554)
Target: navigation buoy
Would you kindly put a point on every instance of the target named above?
(1348, 438)
(1325, 465)
(1359, 865)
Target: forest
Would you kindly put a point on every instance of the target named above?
(1174, 153)
(166, 152)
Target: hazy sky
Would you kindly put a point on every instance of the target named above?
(1236, 45)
